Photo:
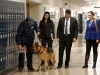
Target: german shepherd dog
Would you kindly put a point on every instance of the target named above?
(46, 54)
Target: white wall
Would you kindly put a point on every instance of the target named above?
(36, 12)
(60, 4)
(87, 9)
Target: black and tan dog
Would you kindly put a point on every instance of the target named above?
(46, 54)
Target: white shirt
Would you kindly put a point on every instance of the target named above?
(68, 26)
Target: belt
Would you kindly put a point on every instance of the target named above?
(67, 35)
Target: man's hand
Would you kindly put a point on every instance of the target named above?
(57, 39)
(84, 41)
(20, 47)
(74, 39)
(40, 40)
(97, 41)
(38, 33)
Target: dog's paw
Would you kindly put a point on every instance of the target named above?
(45, 70)
(37, 70)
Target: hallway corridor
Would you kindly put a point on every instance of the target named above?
(75, 66)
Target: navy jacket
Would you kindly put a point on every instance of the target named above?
(91, 33)
(25, 32)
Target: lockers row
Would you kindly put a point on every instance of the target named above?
(8, 58)
(11, 15)
(11, 7)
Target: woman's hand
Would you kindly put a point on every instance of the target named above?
(20, 47)
(74, 39)
(97, 41)
(57, 39)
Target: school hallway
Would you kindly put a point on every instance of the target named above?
(75, 65)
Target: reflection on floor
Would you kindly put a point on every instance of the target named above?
(76, 63)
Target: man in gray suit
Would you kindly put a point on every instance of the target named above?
(67, 33)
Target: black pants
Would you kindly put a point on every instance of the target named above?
(29, 59)
(47, 41)
(66, 42)
(89, 44)
(44, 42)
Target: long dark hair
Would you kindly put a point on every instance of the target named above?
(43, 19)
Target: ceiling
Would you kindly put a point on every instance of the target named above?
(86, 3)
(81, 3)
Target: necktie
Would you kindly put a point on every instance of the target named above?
(66, 28)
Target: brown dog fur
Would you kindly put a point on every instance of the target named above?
(43, 55)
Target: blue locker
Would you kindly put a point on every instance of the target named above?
(11, 14)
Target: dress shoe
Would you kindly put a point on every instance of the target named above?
(20, 69)
(31, 69)
(85, 66)
(58, 67)
(66, 67)
(94, 66)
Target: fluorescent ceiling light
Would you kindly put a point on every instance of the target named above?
(88, 0)
(91, 2)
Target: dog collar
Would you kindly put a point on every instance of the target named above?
(40, 52)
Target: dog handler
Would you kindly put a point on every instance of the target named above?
(25, 38)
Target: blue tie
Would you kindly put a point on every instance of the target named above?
(66, 28)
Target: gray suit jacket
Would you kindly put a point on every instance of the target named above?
(73, 28)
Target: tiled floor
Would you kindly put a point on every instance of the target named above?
(76, 63)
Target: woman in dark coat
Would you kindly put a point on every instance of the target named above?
(47, 31)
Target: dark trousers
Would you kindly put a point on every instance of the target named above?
(89, 44)
(66, 42)
(29, 59)
(47, 41)
(44, 42)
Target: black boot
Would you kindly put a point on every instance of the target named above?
(94, 60)
(86, 61)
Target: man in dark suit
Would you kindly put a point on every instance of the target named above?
(67, 33)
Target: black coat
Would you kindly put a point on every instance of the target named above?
(46, 30)
(25, 33)
(73, 28)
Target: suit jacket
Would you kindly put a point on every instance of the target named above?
(73, 28)
(46, 30)
(91, 33)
